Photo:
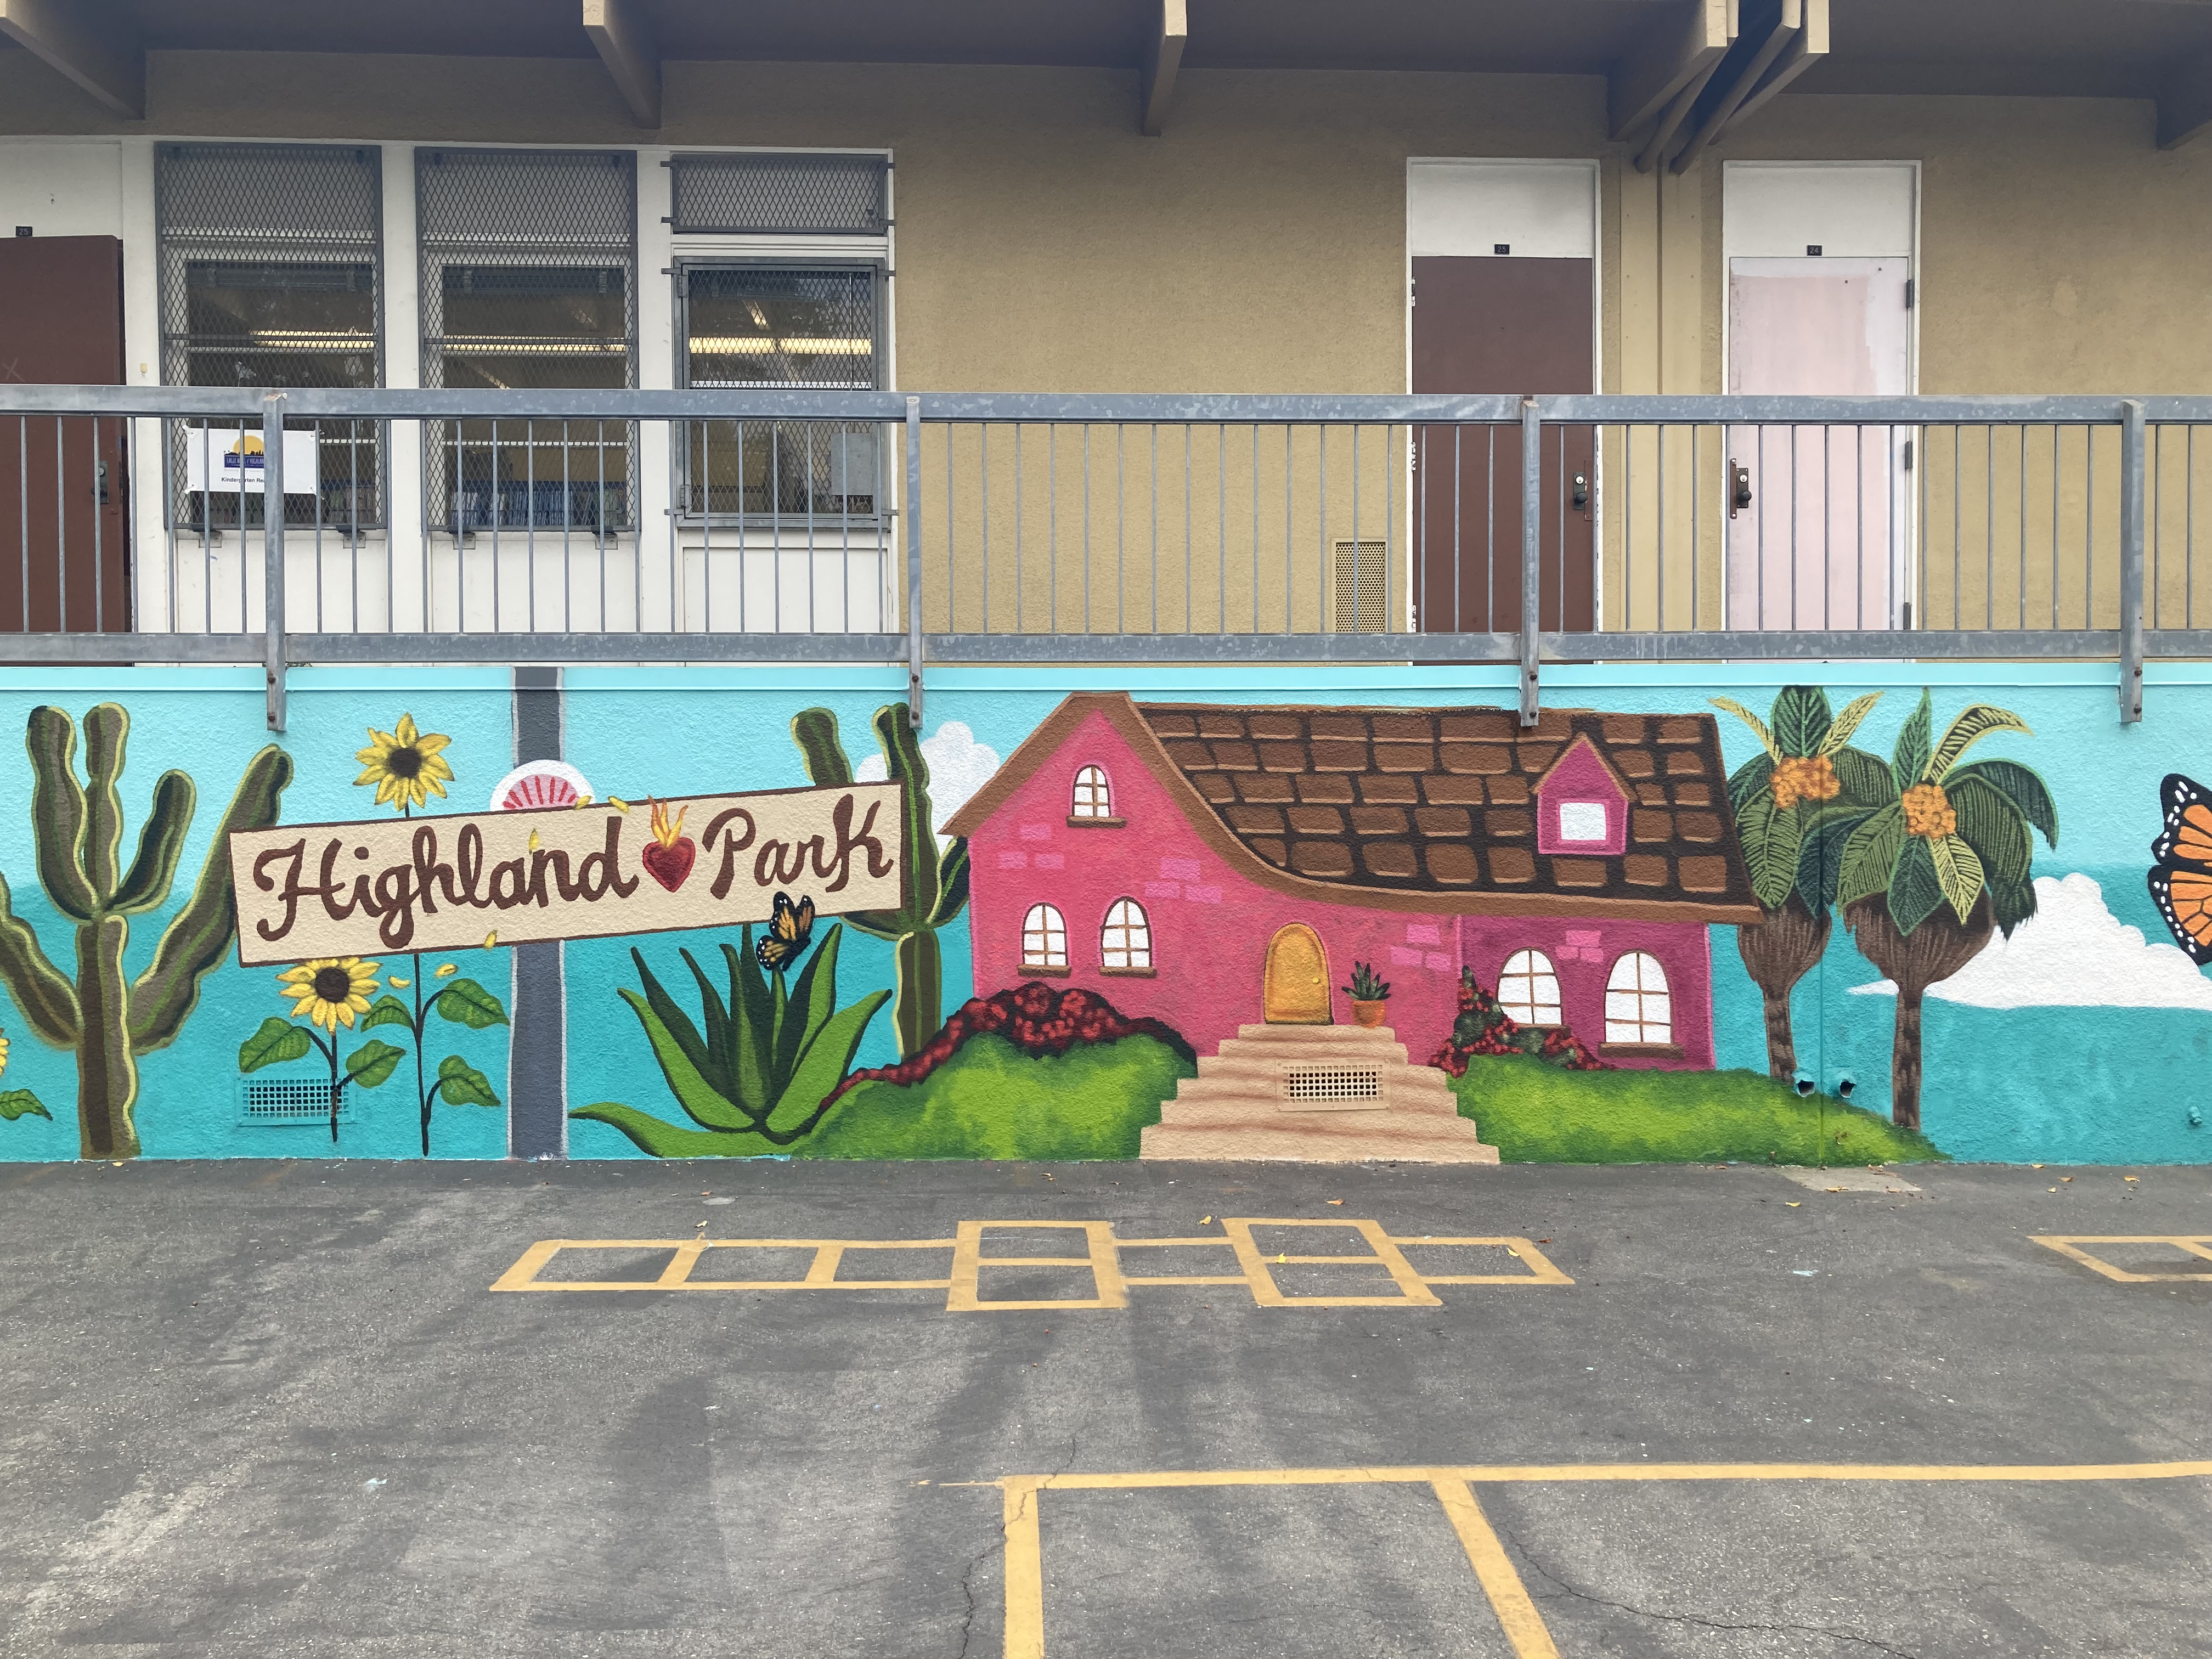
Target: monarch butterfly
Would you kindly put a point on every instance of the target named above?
(788, 930)
(2181, 880)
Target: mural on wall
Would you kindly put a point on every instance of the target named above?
(2181, 878)
(107, 1018)
(406, 766)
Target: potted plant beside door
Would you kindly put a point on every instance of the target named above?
(1371, 996)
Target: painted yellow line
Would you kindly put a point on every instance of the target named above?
(2196, 1244)
(1517, 1616)
(1509, 1597)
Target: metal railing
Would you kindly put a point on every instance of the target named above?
(609, 525)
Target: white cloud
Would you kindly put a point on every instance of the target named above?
(2072, 953)
(958, 767)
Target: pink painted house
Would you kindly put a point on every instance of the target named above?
(1189, 861)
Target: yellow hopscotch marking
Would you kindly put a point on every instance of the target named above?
(2196, 1244)
(1517, 1613)
(1102, 1257)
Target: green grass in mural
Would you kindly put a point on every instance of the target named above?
(990, 1100)
(1537, 1114)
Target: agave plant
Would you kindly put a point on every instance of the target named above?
(761, 1074)
(1923, 879)
(1788, 801)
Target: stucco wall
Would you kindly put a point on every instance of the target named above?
(1044, 244)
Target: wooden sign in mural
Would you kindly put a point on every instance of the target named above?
(446, 883)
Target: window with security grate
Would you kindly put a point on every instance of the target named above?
(1362, 587)
(528, 281)
(271, 273)
(810, 325)
(779, 194)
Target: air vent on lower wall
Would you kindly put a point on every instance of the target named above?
(1332, 1085)
(1363, 570)
(278, 1100)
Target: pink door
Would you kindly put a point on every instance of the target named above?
(1823, 541)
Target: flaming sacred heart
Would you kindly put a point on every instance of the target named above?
(668, 860)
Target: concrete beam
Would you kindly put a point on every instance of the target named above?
(624, 42)
(1676, 51)
(2185, 102)
(103, 58)
(1743, 82)
(1809, 48)
(1162, 57)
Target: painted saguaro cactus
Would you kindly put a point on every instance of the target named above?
(936, 882)
(77, 828)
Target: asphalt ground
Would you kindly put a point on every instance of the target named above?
(278, 1409)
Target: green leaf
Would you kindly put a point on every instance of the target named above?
(1975, 722)
(1821, 859)
(1800, 719)
(822, 747)
(1869, 855)
(1854, 711)
(752, 1020)
(1909, 759)
(22, 1103)
(1754, 778)
(465, 1002)
(1958, 872)
(823, 1067)
(1916, 891)
(276, 1041)
(951, 885)
(1863, 778)
(387, 1011)
(658, 1139)
(905, 764)
(705, 1104)
(2011, 902)
(160, 842)
(460, 1084)
(2020, 785)
(368, 1066)
(47, 996)
(715, 1021)
(1770, 838)
(1758, 726)
(814, 1000)
(1990, 825)
(58, 813)
(677, 1025)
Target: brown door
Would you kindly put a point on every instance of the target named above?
(64, 537)
(1511, 324)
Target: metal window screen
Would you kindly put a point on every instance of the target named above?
(528, 282)
(779, 194)
(1362, 595)
(813, 326)
(271, 269)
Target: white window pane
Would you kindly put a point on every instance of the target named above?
(1581, 820)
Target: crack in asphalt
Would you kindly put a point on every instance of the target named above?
(997, 1543)
(1830, 1632)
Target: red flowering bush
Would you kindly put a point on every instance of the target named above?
(1033, 1017)
(1485, 1028)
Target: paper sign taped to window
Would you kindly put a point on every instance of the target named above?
(465, 880)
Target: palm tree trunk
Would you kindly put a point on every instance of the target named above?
(1776, 954)
(1934, 950)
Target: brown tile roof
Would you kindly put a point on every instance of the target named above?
(1442, 800)
(1430, 810)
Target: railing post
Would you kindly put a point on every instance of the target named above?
(1532, 548)
(913, 562)
(2131, 561)
(272, 549)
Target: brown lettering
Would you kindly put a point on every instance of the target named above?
(733, 844)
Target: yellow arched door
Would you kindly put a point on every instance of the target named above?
(1296, 990)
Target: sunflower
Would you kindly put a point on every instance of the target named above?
(329, 990)
(404, 765)
(3, 1054)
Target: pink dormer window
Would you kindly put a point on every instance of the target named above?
(1581, 806)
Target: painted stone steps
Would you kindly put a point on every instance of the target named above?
(1315, 1093)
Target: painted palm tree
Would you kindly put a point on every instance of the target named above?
(1793, 804)
(1922, 881)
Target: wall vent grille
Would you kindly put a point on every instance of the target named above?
(289, 1100)
(1363, 571)
(1336, 1084)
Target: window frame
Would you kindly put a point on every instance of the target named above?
(1643, 1042)
(1130, 969)
(1550, 972)
(1079, 819)
(1054, 920)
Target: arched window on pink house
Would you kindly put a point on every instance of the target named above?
(1528, 988)
(1125, 943)
(1093, 796)
(1638, 1007)
(1044, 940)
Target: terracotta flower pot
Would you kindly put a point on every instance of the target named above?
(1368, 1014)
